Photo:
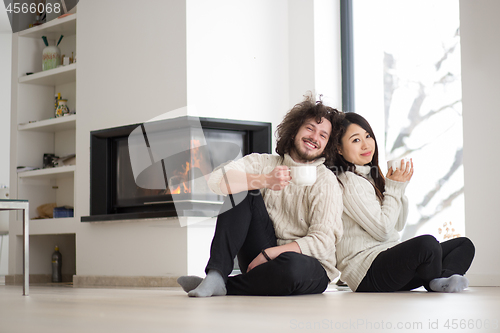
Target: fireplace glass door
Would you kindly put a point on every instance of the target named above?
(180, 177)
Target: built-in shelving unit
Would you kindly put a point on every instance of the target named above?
(38, 131)
(35, 131)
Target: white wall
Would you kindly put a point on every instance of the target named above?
(5, 26)
(4, 254)
(314, 50)
(131, 67)
(301, 66)
(5, 78)
(5, 83)
(237, 59)
(480, 29)
(327, 52)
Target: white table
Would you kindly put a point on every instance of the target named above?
(8, 204)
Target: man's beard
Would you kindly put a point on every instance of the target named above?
(304, 155)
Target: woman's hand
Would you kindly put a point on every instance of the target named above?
(402, 174)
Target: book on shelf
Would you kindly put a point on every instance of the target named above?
(25, 168)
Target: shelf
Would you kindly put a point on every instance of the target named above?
(53, 29)
(52, 77)
(63, 225)
(50, 125)
(49, 173)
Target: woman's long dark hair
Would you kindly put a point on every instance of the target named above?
(296, 117)
(341, 165)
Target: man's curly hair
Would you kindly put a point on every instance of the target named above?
(295, 118)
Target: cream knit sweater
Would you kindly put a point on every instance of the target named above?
(308, 215)
(370, 227)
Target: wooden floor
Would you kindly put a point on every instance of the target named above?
(55, 309)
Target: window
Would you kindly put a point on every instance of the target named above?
(406, 80)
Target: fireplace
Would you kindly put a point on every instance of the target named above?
(160, 169)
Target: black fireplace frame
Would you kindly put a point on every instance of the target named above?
(259, 137)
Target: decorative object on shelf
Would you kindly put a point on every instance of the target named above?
(62, 109)
(56, 98)
(65, 160)
(51, 55)
(48, 160)
(65, 61)
(56, 265)
(46, 211)
(40, 15)
(64, 211)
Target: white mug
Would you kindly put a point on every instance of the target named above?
(303, 175)
(396, 164)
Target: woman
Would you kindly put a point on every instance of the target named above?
(369, 255)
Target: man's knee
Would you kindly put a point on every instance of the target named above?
(238, 200)
(296, 265)
(301, 273)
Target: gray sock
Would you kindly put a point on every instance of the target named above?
(212, 285)
(189, 283)
(452, 284)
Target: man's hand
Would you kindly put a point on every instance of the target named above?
(240, 181)
(274, 252)
(278, 179)
(259, 260)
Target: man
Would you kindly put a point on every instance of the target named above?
(283, 234)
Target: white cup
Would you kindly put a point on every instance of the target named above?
(303, 175)
(396, 164)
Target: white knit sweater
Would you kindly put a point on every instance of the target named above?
(370, 226)
(308, 215)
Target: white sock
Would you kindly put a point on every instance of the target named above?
(452, 284)
(189, 283)
(212, 285)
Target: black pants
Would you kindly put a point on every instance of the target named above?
(245, 230)
(417, 261)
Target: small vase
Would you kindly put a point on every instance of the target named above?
(62, 108)
(51, 57)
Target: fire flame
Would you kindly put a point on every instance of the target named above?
(196, 162)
